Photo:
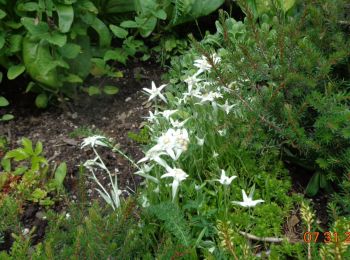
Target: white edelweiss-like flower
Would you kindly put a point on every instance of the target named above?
(208, 97)
(225, 180)
(200, 141)
(143, 172)
(173, 142)
(152, 117)
(145, 202)
(154, 155)
(154, 92)
(178, 176)
(192, 81)
(215, 154)
(248, 201)
(226, 107)
(90, 164)
(167, 113)
(95, 140)
(203, 64)
(177, 124)
(222, 132)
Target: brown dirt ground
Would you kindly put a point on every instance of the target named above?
(61, 132)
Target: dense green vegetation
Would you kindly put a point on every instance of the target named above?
(246, 111)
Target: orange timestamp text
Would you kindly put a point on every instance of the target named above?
(326, 237)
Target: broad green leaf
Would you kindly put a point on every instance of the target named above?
(71, 78)
(28, 7)
(323, 180)
(110, 90)
(118, 54)
(313, 185)
(118, 31)
(160, 14)
(93, 90)
(37, 29)
(65, 17)
(129, 24)
(102, 31)
(148, 27)
(70, 50)
(88, 6)
(56, 38)
(7, 117)
(2, 14)
(41, 100)
(15, 42)
(287, 4)
(199, 8)
(60, 174)
(3, 102)
(39, 62)
(14, 71)
(2, 40)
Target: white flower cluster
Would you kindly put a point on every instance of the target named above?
(175, 140)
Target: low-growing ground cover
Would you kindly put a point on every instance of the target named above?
(245, 152)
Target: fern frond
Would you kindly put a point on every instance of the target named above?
(174, 221)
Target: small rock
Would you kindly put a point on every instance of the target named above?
(74, 115)
(40, 215)
(127, 99)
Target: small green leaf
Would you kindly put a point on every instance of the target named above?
(60, 174)
(38, 148)
(41, 100)
(110, 90)
(14, 71)
(118, 31)
(71, 78)
(93, 90)
(27, 145)
(2, 14)
(129, 24)
(7, 117)
(18, 154)
(3, 102)
(6, 164)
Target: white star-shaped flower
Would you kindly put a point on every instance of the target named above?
(248, 202)
(178, 174)
(167, 113)
(226, 107)
(154, 92)
(94, 140)
(225, 180)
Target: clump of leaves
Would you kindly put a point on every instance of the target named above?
(26, 174)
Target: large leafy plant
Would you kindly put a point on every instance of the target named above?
(53, 41)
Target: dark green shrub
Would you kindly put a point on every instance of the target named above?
(289, 73)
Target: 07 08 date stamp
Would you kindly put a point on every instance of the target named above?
(326, 237)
